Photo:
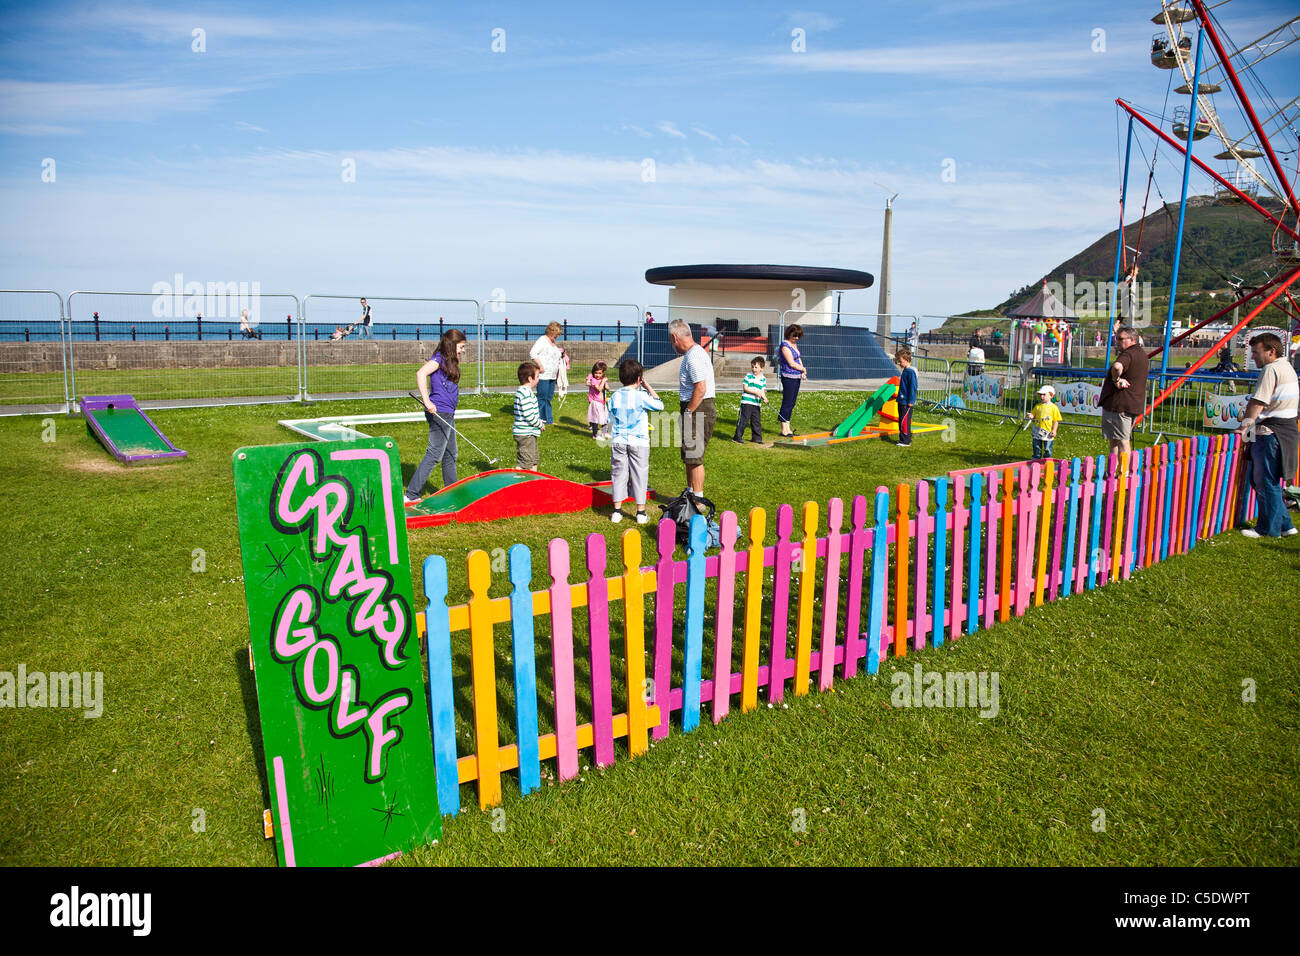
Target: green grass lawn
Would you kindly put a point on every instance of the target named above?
(1126, 700)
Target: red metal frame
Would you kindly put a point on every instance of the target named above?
(1290, 278)
(1220, 314)
(1206, 169)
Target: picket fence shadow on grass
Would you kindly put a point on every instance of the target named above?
(978, 548)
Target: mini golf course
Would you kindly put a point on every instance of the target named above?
(862, 423)
(507, 493)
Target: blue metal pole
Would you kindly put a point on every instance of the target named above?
(1182, 208)
(1119, 243)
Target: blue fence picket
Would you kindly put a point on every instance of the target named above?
(694, 646)
(879, 570)
(973, 567)
(940, 559)
(442, 703)
(523, 651)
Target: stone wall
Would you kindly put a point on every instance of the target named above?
(101, 356)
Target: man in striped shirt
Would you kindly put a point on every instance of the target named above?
(528, 420)
(1269, 424)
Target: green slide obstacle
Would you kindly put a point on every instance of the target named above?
(865, 413)
(122, 427)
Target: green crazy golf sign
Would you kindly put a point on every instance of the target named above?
(340, 692)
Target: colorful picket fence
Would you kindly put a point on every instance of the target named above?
(931, 563)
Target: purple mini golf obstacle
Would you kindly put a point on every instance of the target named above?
(122, 427)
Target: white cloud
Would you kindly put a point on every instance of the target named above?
(738, 139)
(36, 129)
(670, 129)
(980, 62)
(557, 224)
(55, 102)
(701, 131)
(160, 25)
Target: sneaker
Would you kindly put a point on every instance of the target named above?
(1251, 533)
(616, 517)
(642, 518)
(738, 441)
(1290, 531)
(412, 502)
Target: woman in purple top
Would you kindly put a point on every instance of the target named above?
(439, 383)
(790, 364)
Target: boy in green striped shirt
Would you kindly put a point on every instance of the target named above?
(753, 396)
(528, 421)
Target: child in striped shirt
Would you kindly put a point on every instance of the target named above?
(753, 391)
(528, 421)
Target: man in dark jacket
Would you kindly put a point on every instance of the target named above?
(1123, 393)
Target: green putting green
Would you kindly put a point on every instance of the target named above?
(466, 492)
(129, 431)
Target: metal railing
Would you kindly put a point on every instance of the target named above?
(510, 327)
(341, 357)
(168, 349)
(33, 353)
(987, 388)
(934, 378)
(1206, 404)
(175, 350)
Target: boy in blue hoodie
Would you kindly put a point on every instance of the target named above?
(907, 385)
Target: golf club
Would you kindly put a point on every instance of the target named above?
(420, 402)
(1014, 434)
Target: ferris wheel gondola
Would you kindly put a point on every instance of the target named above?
(1203, 127)
(1174, 13)
(1171, 50)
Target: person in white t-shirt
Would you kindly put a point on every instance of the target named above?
(696, 390)
(1269, 425)
(548, 356)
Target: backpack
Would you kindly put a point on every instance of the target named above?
(682, 508)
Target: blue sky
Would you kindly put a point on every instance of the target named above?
(524, 169)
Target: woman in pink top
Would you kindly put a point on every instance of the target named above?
(597, 399)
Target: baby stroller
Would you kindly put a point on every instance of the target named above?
(342, 332)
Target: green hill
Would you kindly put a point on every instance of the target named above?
(1219, 243)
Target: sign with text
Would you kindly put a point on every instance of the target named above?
(340, 692)
(1225, 411)
(1078, 398)
(982, 388)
